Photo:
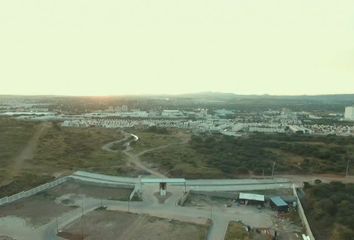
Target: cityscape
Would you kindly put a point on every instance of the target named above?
(173, 119)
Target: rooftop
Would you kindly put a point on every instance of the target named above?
(251, 196)
(164, 180)
(278, 201)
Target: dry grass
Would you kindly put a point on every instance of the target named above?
(148, 140)
(77, 148)
(181, 161)
(236, 231)
(14, 136)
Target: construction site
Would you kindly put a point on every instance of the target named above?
(152, 208)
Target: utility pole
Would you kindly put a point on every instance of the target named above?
(273, 169)
(347, 170)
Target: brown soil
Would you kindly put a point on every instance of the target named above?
(125, 226)
(37, 210)
(41, 208)
(95, 191)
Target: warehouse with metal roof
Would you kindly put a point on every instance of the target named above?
(279, 204)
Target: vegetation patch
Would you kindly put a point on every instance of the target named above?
(14, 136)
(23, 182)
(77, 148)
(330, 210)
(218, 156)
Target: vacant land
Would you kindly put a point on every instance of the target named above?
(36, 210)
(57, 151)
(125, 226)
(237, 231)
(216, 156)
(149, 139)
(77, 148)
(207, 199)
(44, 206)
(23, 182)
(219, 198)
(91, 190)
(61, 151)
(284, 228)
(330, 210)
(181, 161)
(14, 138)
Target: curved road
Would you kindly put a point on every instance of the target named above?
(134, 158)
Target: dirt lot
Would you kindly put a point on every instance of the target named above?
(237, 230)
(36, 210)
(288, 226)
(41, 208)
(95, 191)
(196, 199)
(203, 199)
(119, 225)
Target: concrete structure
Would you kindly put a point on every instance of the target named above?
(299, 129)
(303, 217)
(251, 198)
(172, 113)
(349, 113)
(151, 205)
(279, 204)
(223, 112)
(163, 183)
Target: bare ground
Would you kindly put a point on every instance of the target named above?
(36, 210)
(90, 190)
(45, 206)
(125, 226)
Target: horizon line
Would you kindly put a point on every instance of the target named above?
(174, 94)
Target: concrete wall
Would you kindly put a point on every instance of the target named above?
(303, 216)
(99, 179)
(32, 191)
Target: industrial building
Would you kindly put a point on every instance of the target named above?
(349, 113)
(172, 114)
(279, 204)
(248, 198)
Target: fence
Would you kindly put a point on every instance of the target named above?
(303, 216)
(32, 191)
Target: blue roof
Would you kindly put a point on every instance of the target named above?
(278, 201)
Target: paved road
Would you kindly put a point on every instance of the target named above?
(299, 179)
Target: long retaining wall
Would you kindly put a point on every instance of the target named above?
(33, 191)
(303, 216)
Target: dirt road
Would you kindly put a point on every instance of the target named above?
(134, 158)
(27, 152)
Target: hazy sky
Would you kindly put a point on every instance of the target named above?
(111, 47)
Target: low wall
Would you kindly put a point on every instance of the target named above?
(33, 191)
(183, 199)
(302, 215)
